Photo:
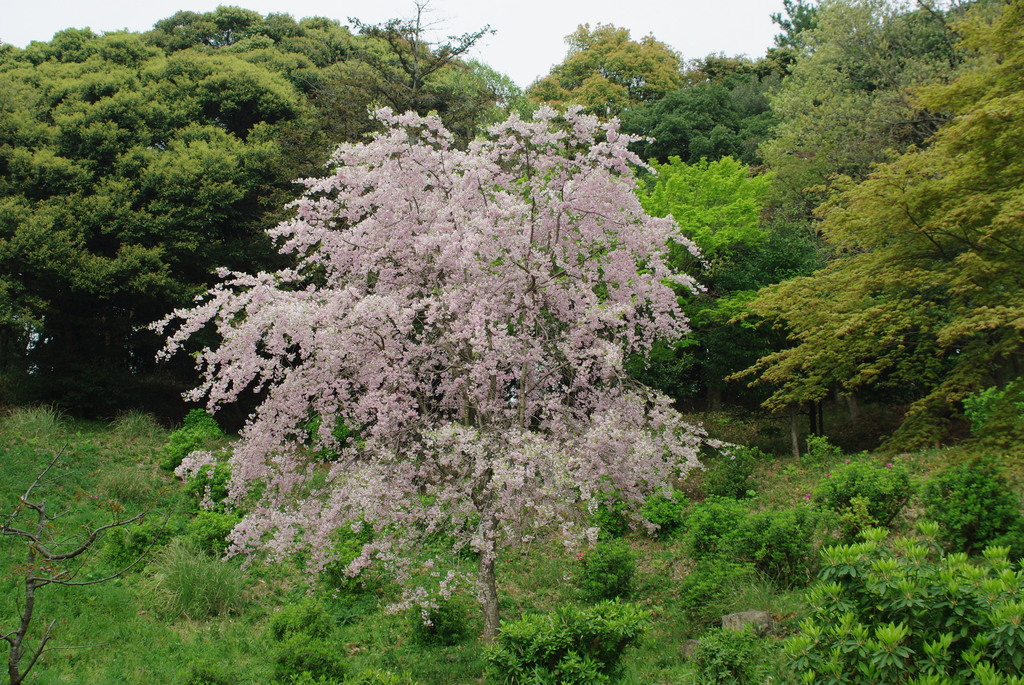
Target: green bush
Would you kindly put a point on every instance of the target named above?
(605, 571)
(440, 626)
(864, 494)
(994, 409)
(711, 526)
(127, 544)
(780, 544)
(898, 612)
(731, 656)
(208, 488)
(209, 672)
(819, 451)
(728, 473)
(611, 518)
(571, 646)
(314, 659)
(307, 617)
(210, 529)
(666, 513)
(198, 431)
(345, 435)
(974, 506)
(705, 592)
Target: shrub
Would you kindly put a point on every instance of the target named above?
(892, 611)
(125, 545)
(864, 494)
(819, 451)
(780, 544)
(705, 592)
(611, 516)
(207, 488)
(728, 474)
(209, 531)
(973, 504)
(344, 434)
(307, 617)
(713, 525)
(187, 582)
(731, 656)
(209, 672)
(995, 409)
(606, 571)
(316, 660)
(571, 646)
(666, 513)
(198, 431)
(440, 626)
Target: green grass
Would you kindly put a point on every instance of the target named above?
(180, 614)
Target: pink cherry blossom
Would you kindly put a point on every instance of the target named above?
(469, 312)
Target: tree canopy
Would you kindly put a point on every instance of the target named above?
(470, 313)
(925, 293)
(607, 72)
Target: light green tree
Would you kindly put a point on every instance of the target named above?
(926, 292)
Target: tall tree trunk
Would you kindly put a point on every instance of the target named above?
(489, 596)
(794, 433)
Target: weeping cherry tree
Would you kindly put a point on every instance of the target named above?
(467, 312)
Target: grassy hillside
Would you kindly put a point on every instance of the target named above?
(182, 615)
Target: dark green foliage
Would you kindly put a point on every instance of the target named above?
(126, 545)
(611, 516)
(209, 530)
(705, 592)
(344, 434)
(300, 654)
(864, 493)
(780, 544)
(447, 625)
(711, 526)
(997, 414)
(892, 611)
(665, 513)
(198, 431)
(209, 487)
(731, 656)
(571, 646)
(209, 672)
(974, 506)
(606, 571)
(728, 472)
(306, 618)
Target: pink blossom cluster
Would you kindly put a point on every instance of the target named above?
(470, 312)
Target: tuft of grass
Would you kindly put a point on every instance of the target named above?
(41, 422)
(128, 484)
(130, 426)
(187, 582)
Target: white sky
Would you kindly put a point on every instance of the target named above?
(530, 34)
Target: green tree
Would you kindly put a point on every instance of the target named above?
(926, 293)
(411, 74)
(607, 72)
(847, 103)
(718, 205)
(127, 177)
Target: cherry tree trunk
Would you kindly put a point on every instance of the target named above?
(489, 597)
